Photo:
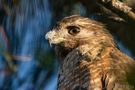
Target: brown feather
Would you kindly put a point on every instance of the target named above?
(89, 60)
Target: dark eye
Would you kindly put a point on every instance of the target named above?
(73, 30)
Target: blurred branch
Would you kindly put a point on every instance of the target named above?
(4, 36)
(22, 58)
(9, 61)
(4, 52)
(9, 6)
(7, 9)
(119, 8)
(4, 45)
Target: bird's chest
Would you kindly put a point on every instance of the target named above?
(79, 74)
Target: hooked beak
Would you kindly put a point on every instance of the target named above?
(54, 37)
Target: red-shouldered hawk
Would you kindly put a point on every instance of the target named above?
(89, 58)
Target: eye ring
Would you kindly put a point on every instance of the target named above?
(73, 30)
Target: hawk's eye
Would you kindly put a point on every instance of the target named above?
(73, 30)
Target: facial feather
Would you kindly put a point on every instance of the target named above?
(75, 31)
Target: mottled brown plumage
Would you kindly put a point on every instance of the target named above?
(89, 58)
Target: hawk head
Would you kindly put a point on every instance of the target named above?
(74, 31)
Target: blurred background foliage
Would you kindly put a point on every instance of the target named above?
(26, 60)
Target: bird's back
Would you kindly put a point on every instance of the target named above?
(108, 71)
